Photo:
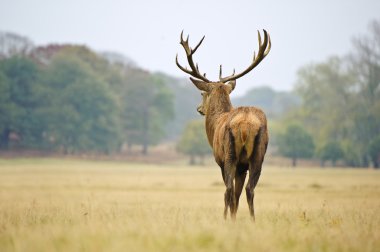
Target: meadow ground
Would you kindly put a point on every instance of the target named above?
(71, 205)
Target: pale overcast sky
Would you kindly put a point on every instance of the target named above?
(148, 31)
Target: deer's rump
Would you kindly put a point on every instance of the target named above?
(238, 134)
(244, 129)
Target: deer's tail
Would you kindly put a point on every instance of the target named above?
(248, 132)
(245, 132)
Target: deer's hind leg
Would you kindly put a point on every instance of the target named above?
(255, 165)
(241, 173)
(229, 195)
(229, 176)
(254, 175)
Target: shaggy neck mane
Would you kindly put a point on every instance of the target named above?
(219, 104)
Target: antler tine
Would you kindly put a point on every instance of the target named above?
(185, 44)
(264, 49)
(220, 73)
(200, 42)
(269, 46)
(181, 67)
(259, 37)
(189, 54)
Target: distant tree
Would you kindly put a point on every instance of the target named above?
(341, 98)
(86, 101)
(193, 141)
(351, 154)
(20, 102)
(329, 104)
(147, 106)
(374, 151)
(326, 92)
(295, 143)
(330, 151)
(12, 44)
(7, 108)
(186, 99)
(365, 64)
(83, 114)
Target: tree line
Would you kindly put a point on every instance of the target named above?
(69, 99)
(340, 107)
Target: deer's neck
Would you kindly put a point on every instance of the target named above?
(219, 106)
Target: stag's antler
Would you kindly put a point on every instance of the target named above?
(264, 49)
(189, 53)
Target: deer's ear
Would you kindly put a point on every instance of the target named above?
(204, 86)
(231, 85)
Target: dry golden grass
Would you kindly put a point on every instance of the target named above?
(68, 205)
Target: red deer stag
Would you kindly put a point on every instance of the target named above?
(238, 136)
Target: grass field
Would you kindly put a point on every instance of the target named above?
(69, 205)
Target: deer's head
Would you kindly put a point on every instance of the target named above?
(216, 90)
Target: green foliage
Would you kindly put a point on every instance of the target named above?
(186, 99)
(365, 64)
(295, 143)
(326, 99)
(20, 101)
(330, 151)
(374, 151)
(341, 100)
(67, 98)
(84, 116)
(147, 106)
(193, 141)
